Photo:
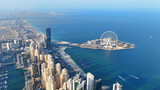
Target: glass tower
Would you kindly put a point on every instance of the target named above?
(48, 38)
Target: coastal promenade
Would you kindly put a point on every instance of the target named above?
(65, 43)
(69, 60)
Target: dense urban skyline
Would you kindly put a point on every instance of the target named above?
(76, 44)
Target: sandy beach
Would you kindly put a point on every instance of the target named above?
(69, 60)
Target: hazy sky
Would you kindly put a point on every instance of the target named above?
(79, 4)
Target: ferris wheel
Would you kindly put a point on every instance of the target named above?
(109, 37)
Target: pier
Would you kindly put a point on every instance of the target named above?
(7, 64)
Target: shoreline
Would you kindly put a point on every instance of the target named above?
(43, 34)
(64, 55)
(69, 60)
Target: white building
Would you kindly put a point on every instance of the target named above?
(117, 86)
(90, 81)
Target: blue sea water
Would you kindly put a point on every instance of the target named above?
(134, 27)
(16, 79)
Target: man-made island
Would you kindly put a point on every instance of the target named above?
(108, 41)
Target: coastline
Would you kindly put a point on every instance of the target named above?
(64, 55)
(69, 60)
(42, 33)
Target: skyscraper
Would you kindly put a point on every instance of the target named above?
(37, 53)
(28, 81)
(70, 84)
(117, 86)
(58, 68)
(57, 76)
(98, 84)
(46, 58)
(64, 76)
(48, 38)
(82, 85)
(51, 68)
(51, 84)
(29, 85)
(32, 51)
(41, 57)
(43, 67)
(23, 61)
(90, 81)
(32, 68)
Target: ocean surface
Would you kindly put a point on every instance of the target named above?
(135, 69)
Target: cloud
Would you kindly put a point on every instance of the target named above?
(32, 13)
(55, 14)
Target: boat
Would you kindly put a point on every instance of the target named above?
(122, 78)
(135, 77)
(5, 82)
(150, 36)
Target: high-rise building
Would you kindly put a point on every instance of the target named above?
(27, 43)
(46, 75)
(70, 84)
(21, 60)
(29, 85)
(46, 57)
(37, 53)
(105, 88)
(51, 67)
(39, 68)
(20, 43)
(38, 45)
(48, 38)
(32, 68)
(43, 67)
(76, 83)
(0, 47)
(98, 84)
(50, 58)
(41, 57)
(117, 86)
(35, 62)
(58, 73)
(82, 85)
(18, 63)
(8, 46)
(24, 61)
(64, 76)
(58, 68)
(65, 86)
(90, 81)
(28, 81)
(32, 51)
(57, 76)
(51, 84)
(1, 55)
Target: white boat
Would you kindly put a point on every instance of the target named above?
(122, 78)
(5, 82)
(150, 36)
(135, 77)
